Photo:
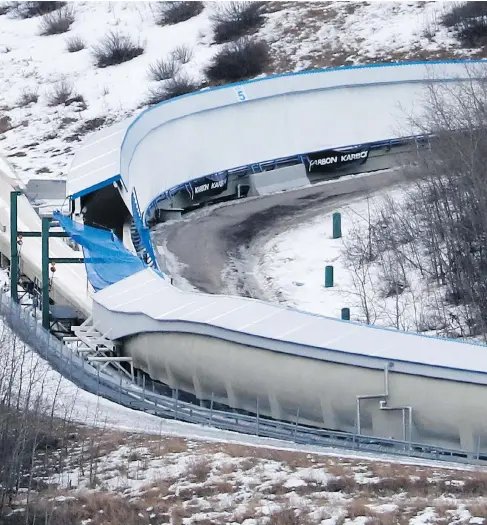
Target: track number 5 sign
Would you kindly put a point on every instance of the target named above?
(241, 95)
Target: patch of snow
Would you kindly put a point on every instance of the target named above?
(47, 135)
(293, 482)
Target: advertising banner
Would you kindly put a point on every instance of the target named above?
(331, 160)
(208, 186)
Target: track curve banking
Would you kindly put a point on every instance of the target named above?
(254, 355)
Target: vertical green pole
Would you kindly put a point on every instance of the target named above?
(14, 254)
(46, 223)
(337, 225)
(328, 276)
(346, 314)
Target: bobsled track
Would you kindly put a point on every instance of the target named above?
(332, 381)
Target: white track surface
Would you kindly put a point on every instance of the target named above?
(241, 349)
(213, 130)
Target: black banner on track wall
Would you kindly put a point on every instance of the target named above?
(207, 187)
(331, 160)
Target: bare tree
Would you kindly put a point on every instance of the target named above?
(438, 231)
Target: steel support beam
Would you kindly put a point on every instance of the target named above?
(14, 251)
(46, 321)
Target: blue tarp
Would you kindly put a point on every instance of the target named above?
(106, 258)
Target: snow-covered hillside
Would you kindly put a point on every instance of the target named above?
(40, 139)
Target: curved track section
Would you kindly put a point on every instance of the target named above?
(250, 354)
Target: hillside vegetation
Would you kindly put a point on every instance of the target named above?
(67, 69)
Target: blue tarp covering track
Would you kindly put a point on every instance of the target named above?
(106, 258)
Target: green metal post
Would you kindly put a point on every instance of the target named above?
(46, 223)
(328, 276)
(14, 253)
(337, 225)
(346, 314)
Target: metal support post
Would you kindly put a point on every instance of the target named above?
(296, 425)
(14, 254)
(211, 410)
(46, 223)
(337, 225)
(98, 381)
(257, 419)
(328, 276)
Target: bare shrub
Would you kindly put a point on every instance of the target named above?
(359, 507)
(97, 508)
(177, 515)
(174, 87)
(198, 469)
(169, 13)
(478, 510)
(448, 204)
(75, 44)
(116, 48)
(182, 54)
(32, 9)
(287, 516)
(63, 93)
(28, 96)
(239, 60)
(57, 22)
(469, 21)
(341, 484)
(163, 69)
(232, 20)
(5, 7)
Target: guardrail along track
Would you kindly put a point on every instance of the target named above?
(71, 365)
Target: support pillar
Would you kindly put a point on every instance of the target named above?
(468, 441)
(14, 253)
(46, 223)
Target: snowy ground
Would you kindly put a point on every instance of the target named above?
(291, 270)
(301, 35)
(179, 481)
(172, 479)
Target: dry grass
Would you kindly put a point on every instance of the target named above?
(478, 509)
(359, 507)
(198, 469)
(177, 515)
(443, 508)
(289, 457)
(99, 508)
(216, 481)
(288, 516)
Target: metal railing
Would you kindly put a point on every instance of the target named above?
(117, 389)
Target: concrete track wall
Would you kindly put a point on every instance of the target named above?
(239, 349)
(324, 392)
(273, 117)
